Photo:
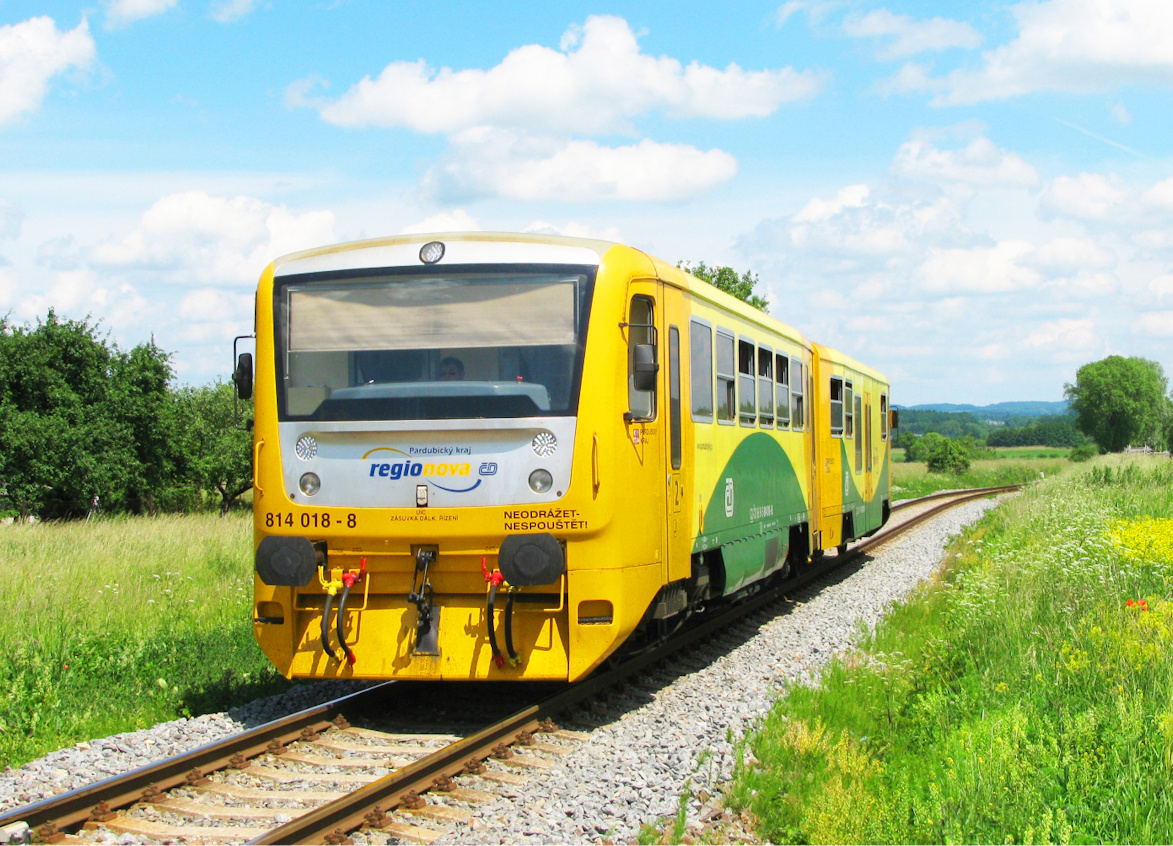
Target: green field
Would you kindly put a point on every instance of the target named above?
(122, 623)
(1023, 696)
(910, 480)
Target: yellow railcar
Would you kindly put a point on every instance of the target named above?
(494, 456)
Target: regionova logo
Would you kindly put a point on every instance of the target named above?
(439, 473)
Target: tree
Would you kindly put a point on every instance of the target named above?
(82, 423)
(59, 446)
(140, 404)
(727, 280)
(218, 453)
(1119, 401)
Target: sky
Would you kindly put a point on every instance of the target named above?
(975, 198)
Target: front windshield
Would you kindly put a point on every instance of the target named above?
(429, 344)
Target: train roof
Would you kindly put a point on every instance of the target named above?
(400, 250)
(836, 357)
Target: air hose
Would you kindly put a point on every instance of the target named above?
(495, 580)
(326, 623)
(348, 581)
(514, 658)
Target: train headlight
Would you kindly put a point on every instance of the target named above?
(432, 252)
(306, 447)
(309, 483)
(541, 481)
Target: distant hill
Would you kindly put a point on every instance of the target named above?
(999, 410)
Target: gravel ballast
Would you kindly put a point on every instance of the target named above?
(649, 743)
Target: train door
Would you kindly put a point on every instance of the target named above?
(834, 472)
(678, 476)
(646, 418)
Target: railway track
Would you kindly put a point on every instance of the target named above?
(321, 774)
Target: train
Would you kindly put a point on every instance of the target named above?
(495, 456)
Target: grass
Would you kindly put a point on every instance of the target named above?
(1023, 696)
(910, 480)
(122, 623)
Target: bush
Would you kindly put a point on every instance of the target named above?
(1084, 453)
(948, 457)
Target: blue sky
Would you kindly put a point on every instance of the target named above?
(974, 197)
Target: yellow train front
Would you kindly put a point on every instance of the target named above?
(485, 456)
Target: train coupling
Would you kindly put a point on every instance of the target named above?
(427, 631)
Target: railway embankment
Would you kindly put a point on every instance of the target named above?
(663, 745)
(1023, 694)
(1032, 661)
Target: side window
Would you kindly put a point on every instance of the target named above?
(726, 379)
(700, 352)
(782, 403)
(765, 387)
(836, 406)
(674, 394)
(641, 329)
(883, 417)
(797, 412)
(746, 408)
(858, 440)
(849, 427)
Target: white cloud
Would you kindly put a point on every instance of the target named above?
(79, 292)
(33, 52)
(1063, 256)
(981, 162)
(227, 11)
(213, 305)
(504, 164)
(1065, 337)
(457, 220)
(911, 77)
(595, 83)
(979, 270)
(858, 225)
(10, 219)
(1072, 45)
(816, 9)
(910, 37)
(1157, 323)
(1159, 197)
(1089, 196)
(120, 13)
(575, 230)
(9, 288)
(197, 238)
(1162, 288)
(853, 196)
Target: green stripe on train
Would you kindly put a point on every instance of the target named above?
(756, 500)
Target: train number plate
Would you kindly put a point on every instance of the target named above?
(309, 520)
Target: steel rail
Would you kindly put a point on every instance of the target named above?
(119, 791)
(355, 809)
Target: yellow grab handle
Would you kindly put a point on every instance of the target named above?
(256, 465)
(595, 463)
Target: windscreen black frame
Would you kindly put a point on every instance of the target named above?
(430, 408)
